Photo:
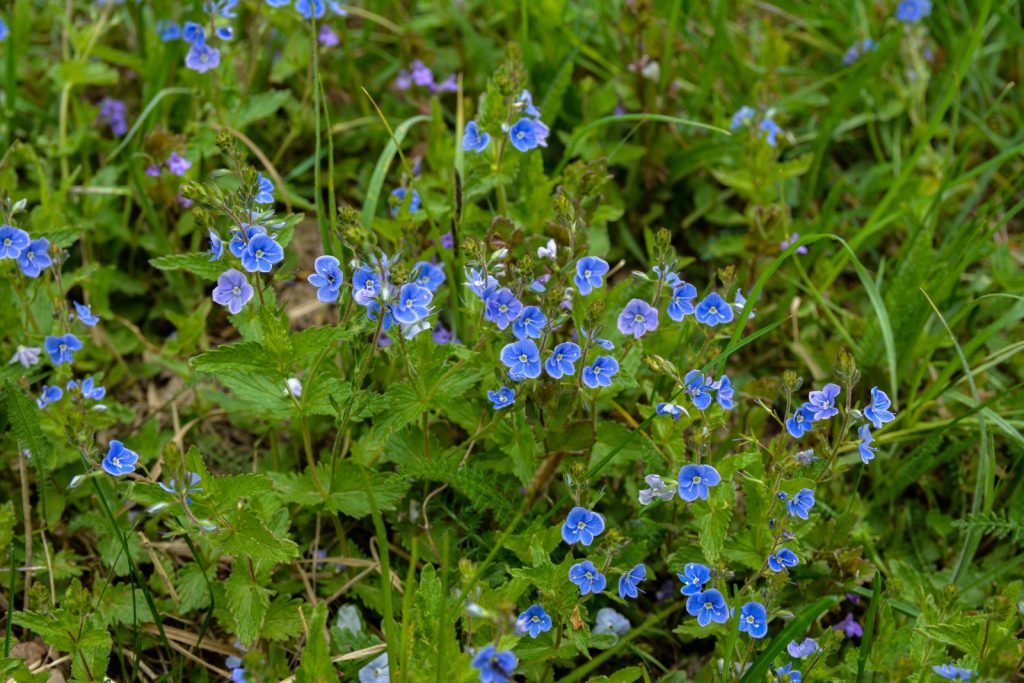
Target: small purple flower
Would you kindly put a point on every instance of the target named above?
(178, 164)
(240, 240)
(628, 582)
(525, 104)
(713, 310)
(878, 410)
(530, 324)
(414, 202)
(659, 489)
(526, 134)
(413, 304)
(694, 576)
(638, 318)
(754, 619)
(232, 290)
(202, 58)
(560, 363)
(119, 460)
(216, 245)
(864, 447)
(502, 308)
(421, 74)
(953, 673)
(724, 392)
(522, 358)
(533, 621)
(782, 559)
(610, 621)
(327, 37)
(603, 343)
(475, 140)
(676, 411)
(428, 275)
(787, 243)
(601, 372)
(695, 480)
(193, 33)
(590, 272)
(800, 650)
(26, 356)
(502, 398)
(699, 388)
(585, 575)
(708, 606)
(681, 304)
(849, 626)
(61, 349)
(823, 402)
(327, 278)
(35, 257)
(153, 171)
(582, 526)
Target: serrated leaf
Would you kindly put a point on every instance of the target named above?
(250, 538)
(247, 602)
(23, 414)
(282, 621)
(714, 524)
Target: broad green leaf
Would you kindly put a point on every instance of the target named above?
(316, 666)
(248, 603)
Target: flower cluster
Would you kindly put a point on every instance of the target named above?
(202, 56)
(526, 133)
(420, 75)
(176, 165)
(32, 255)
(822, 405)
(746, 117)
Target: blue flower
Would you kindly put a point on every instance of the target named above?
(525, 104)
(694, 576)
(771, 131)
(278, 3)
(35, 257)
(681, 303)
(867, 451)
(878, 410)
(502, 308)
(327, 278)
(428, 275)
(240, 238)
(628, 582)
(168, 30)
(475, 140)
(85, 315)
(699, 389)
(786, 674)
(659, 489)
(526, 134)
(494, 666)
(88, 389)
(585, 575)
(12, 241)
(801, 503)
(913, 11)
(414, 305)
(376, 671)
(672, 280)
(216, 245)
(638, 318)
(823, 403)
(49, 395)
(601, 372)
(695, 480)
(670, 409)
(232, 290)
(713, 310)
(478, 284)
(857, 50)
(590, 272)
(366, 285)
(261, 254)
(782, 558)
(502, 398)
(190, 487)
(801, 422)
(610, 621)
(522, 358)
(582, 526)
(373, 311)
(223, 8)
(743, 117)
(560, 363)
(800, 650)
(310, 9)
(533, 621)
(953, 673)
(202, 58)
(4, 31)
(708, 606)
(603, 343)
(754, 619)
(119, 461)
(399, 194)
(264, 190)
(530, 324)
(739, 302)
(724, 392)
(61, 349)
(193, 33)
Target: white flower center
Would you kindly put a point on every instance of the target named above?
(696, 480)
(523, 358)
(237, 291)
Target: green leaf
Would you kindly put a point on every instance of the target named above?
(259, 106)
(198, 264)
(282, 621)
(714, 525)
(316, 666)
(85, 73)
(794, 630)
(23, 414)
(247, 602)
(250, 538)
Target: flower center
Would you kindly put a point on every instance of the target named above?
(558, 357)
(523, 358)
(237, 291)
(638, 319)
(116, 461)
(520, 135)
(535, 619)
(708, 605)
(259, 253)
(7, 241)
(586, 273)
(696, 480)
(750, 620)
(713, 310)
(503, 308)
(581, 525)
(589, 575)
(63, 347)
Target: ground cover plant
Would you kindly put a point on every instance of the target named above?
(639, 340)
